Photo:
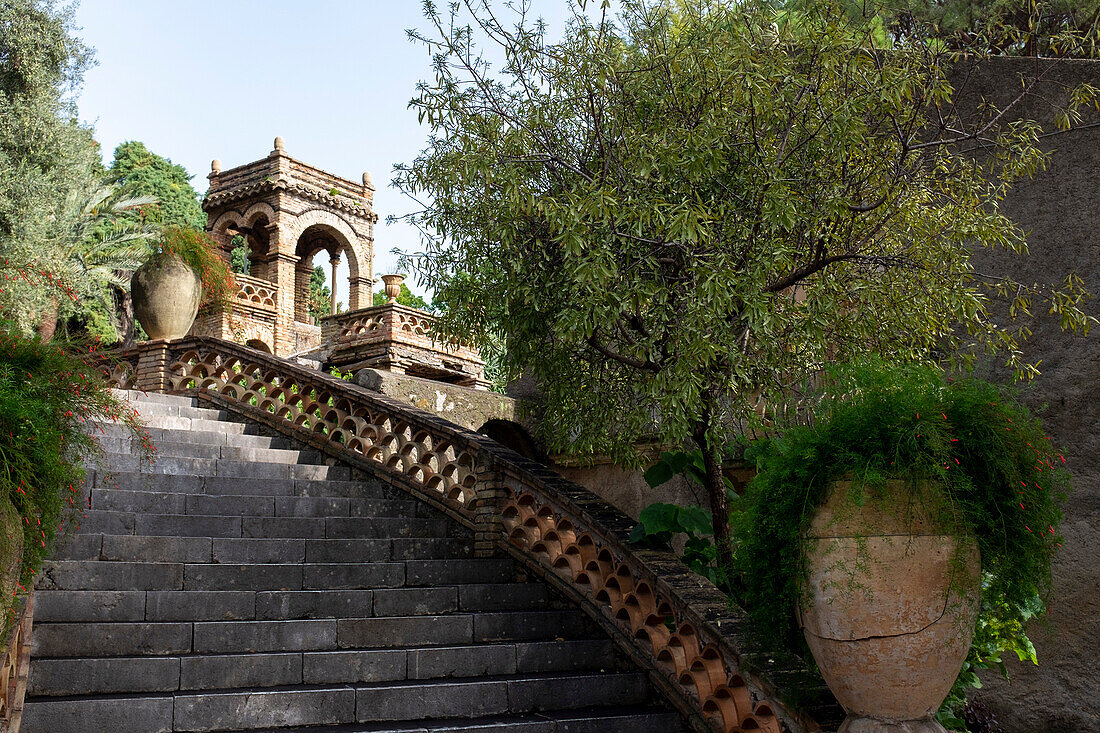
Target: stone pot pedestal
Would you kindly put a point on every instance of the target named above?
(894, 597)
(166, 294)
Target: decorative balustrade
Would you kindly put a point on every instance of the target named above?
(255, 292)
(400, 339)
(14, 667)
(669, 620)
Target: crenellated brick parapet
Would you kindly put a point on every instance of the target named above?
(672, 622)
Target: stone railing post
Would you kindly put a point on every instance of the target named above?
(151, 370)
(490, 495)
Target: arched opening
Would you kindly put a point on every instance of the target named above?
(249, 246)
(320, 249)
(514, 436)
(258, 345)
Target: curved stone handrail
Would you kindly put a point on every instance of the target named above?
(669, 620)
(15, 666)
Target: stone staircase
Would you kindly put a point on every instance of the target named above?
(241, 584)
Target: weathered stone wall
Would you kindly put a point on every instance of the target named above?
(471, 408)
(626, 490)
(1060, 209)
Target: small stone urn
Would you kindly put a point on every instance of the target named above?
(166, 294)
(393, 287)
(894, 594)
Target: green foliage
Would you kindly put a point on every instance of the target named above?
(998, 631)
(688, 464)
(46, 397)
(238, 256)
(99, 245)
(47, 161)
(984, 27)
(659, 523)
(320, 297)
(406, 297)
(1002, 477)
(201, 253)
(139, 172)
(671, 215)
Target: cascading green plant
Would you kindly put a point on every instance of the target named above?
(50, 396)
(200, 252)
(874, 422)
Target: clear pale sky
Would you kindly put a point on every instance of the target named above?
(199, 80)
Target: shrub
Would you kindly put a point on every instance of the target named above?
(48, 396)
(200, 252)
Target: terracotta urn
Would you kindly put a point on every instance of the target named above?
(393, 286)
(893, 594)
(166, 294)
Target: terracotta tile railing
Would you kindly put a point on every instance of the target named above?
(670, 621)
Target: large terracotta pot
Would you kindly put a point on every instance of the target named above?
(166, 294)
(894, 596)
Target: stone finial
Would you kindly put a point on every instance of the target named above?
(215, 166)
(280, 145)
(367, 182)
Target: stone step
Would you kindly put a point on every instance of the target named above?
(115, 675)
(236, 486)
(99, 606)
(114, 575)
(135, 548)
(138, 397)
(160, 502)
(635, 719)
(176, 422)
(111, 431)
(224, 467)
(333, 705)
(248, 550)
(153, 411)
(125, 639)
(177, 449)
(94, 521)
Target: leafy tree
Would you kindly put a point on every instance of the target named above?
(98, 247)
(680, 215)
(140, 172)
(320, 297)
(47, 160)
(406, 297)
(993, 27)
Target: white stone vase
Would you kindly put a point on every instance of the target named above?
(894, 594)
(166, 294)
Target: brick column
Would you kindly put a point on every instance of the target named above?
(359, 293)
(489, 499)
(151, 371)
(286, 281)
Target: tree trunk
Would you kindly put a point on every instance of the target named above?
(125, 310)
(716, 490)
(48, 324)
